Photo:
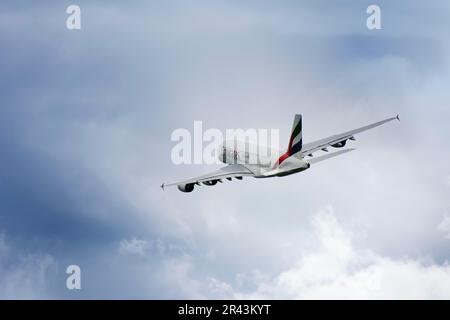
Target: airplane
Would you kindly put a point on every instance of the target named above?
(297, 158)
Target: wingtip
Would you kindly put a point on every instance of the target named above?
(398, 117)
(162, 186)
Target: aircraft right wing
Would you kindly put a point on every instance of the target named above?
(339, 140)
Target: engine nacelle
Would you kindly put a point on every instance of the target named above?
(339, 144)
(210, 182)
(186, 187)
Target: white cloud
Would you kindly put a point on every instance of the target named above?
(219, 289)
(24, 276)
(339, 270)
(178, 275)
(444, 226)
(133, 247)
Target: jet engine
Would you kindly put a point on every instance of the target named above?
(339, 144)
(186, 187)
(210, 182)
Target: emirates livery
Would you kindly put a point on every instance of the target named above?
(245, 160)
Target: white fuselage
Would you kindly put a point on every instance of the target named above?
(261, 160)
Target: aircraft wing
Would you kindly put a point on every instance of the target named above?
(227, 172)
(329, 155)
(339, 139)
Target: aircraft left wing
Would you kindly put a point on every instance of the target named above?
(329, 155)
(339, 140)
(228, 172)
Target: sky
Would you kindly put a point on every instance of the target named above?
(86, 118)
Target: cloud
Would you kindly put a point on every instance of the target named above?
(85, 140)
(25, 275)
(219, 289)
(337, 269)
(133, 247)
(444, 225)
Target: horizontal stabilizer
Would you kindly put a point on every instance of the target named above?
(329, 155)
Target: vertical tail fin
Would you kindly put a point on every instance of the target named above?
(295, 141)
